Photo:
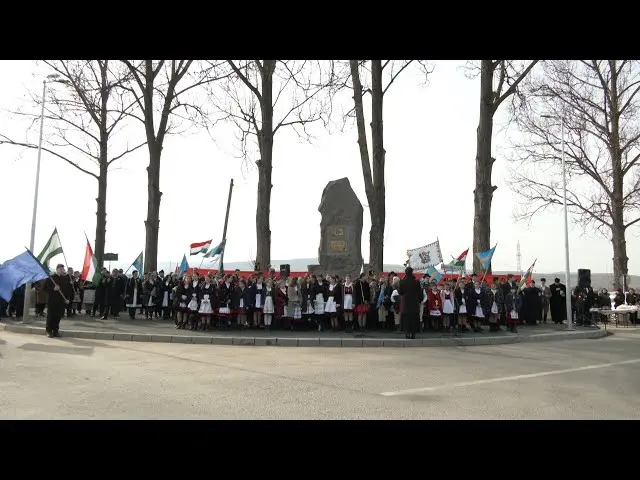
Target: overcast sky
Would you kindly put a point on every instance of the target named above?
(430, 134)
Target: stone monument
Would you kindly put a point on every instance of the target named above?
(340, 251)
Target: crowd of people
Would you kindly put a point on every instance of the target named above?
(265, 301)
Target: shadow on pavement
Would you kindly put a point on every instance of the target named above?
(36, 347)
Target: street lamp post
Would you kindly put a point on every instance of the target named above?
(27, 293)
(567, 271)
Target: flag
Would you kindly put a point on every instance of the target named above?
(201, 247)
(434, 274)
(51, 249)
(137, 263)
(19, 270)
(184, 266)
(217, 250)
(90, 267)
(527, 276)
(460, 261)
(424, 257)
(485, 257)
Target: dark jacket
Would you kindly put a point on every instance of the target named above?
(55, 300)
(411, 293)
(132, 284)
(361, 292)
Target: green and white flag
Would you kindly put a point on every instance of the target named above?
(51, 249)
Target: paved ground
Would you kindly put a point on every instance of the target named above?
(67, 378)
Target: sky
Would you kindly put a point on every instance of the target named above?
(430, 135)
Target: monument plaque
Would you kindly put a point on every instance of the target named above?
(340, 249)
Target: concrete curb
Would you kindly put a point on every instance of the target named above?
(314, 342)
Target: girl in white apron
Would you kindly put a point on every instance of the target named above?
(461, 307)
(493, 312)
(258, 294)
(447, 306)
(347, 305)
(206, 295)
(268, 307)
(331, 305)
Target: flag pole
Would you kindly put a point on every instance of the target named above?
(63, 255)
(224, 231)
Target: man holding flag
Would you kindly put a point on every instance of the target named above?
(60, 291)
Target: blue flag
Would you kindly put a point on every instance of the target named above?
(485, 257)
(434, 274)
(137, 263)
(16, 272)
(184, 265)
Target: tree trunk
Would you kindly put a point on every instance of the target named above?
(372, 198)
(620, 260)
(483, 193)
(152, 223)
(376, 234)
(265, 168)
(101, 213)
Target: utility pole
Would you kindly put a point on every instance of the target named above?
(224, 231)
(519, 258)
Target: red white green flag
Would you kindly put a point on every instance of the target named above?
(200, 247)
(458, 262)
(526, 278)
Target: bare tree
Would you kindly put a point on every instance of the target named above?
(165, 94)
(598, 103)
(383, 74)
(85, 117)
(508, 74)
(260, 98)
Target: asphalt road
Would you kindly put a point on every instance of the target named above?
(43, 378)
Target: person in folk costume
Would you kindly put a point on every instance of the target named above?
(386, 306)
(184, 294)
(196, 284)
(257, 291)
(557, 301)
(70, 312)
(294, 304)
(165, 289)
(281, 301)
(631, 298)
(306, 292)
(225, 291)
(242, 302)
(460, 306)
(446, 297)
(41, 297)
(99, 296)
(495, 299)
(474, 299)
(133, 291)
(58, 287)
(205, 295)
(332, 300)
(268, 306)
(318, 302)
(148, 293)
(111, 297)
(512, 305)
(395, 302)
(434, 305)
(423, 304)
(372, 316)
(78, 287)
(362, 295)
(348, 303)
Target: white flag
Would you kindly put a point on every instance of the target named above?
(420, 259)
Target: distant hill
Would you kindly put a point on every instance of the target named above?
(598, 280)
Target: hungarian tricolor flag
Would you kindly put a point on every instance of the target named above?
(458, 262)
(527, 276)
(90, 267)
(201, 247)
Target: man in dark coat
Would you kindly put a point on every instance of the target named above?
(557, 302)
(532, 304)
(411, 293)
(60, 292)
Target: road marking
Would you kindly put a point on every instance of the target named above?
(508, 379)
